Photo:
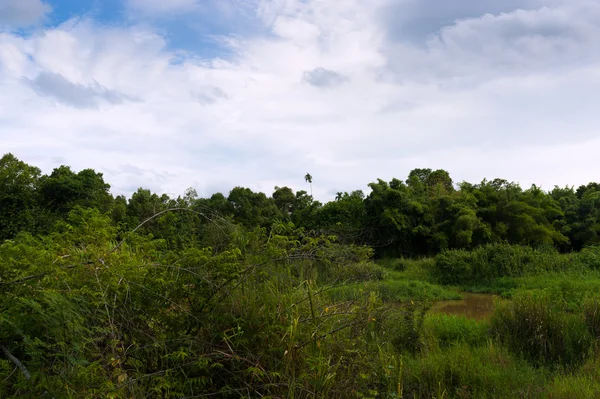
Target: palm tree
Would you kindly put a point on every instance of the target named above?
(308, 179)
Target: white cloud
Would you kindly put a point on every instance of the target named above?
(485, 96)
(17, 13)
(544, 39)
(77, 95)
(321, 77)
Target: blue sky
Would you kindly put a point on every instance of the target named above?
(107, 11)
(218, 93)
(186, 31)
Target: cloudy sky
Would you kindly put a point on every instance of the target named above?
(210, 94)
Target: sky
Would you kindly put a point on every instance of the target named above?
(213, 94)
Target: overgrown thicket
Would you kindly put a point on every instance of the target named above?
(88, 317)
(279, 297)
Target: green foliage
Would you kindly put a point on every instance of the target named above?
(245, 295)
(63, 189)
(591, 316)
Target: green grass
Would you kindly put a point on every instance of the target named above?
(446, 330)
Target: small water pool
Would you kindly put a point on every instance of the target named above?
(473, 306)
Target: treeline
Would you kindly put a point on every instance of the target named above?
(422, 215)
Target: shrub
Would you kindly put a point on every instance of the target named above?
(589, 257)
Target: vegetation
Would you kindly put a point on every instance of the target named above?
(247, 295)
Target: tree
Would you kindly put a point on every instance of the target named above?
(344, 217)
(64, 189)
(18, 196)
(285, 199)
(392, 214)
(252, 209)
(305, 210)
(144, 204)
(308, 179)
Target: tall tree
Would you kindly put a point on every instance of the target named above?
(309, 179)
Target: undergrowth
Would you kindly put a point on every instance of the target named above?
(284, 313)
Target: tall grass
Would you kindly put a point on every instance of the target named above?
(487, 263)
(461, 371)
(541, 331)
(583, 384)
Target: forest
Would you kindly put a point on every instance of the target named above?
(245, 295)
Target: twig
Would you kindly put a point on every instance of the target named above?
(16, 361)
(22, 280)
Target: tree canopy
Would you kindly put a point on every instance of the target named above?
(422, 215)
